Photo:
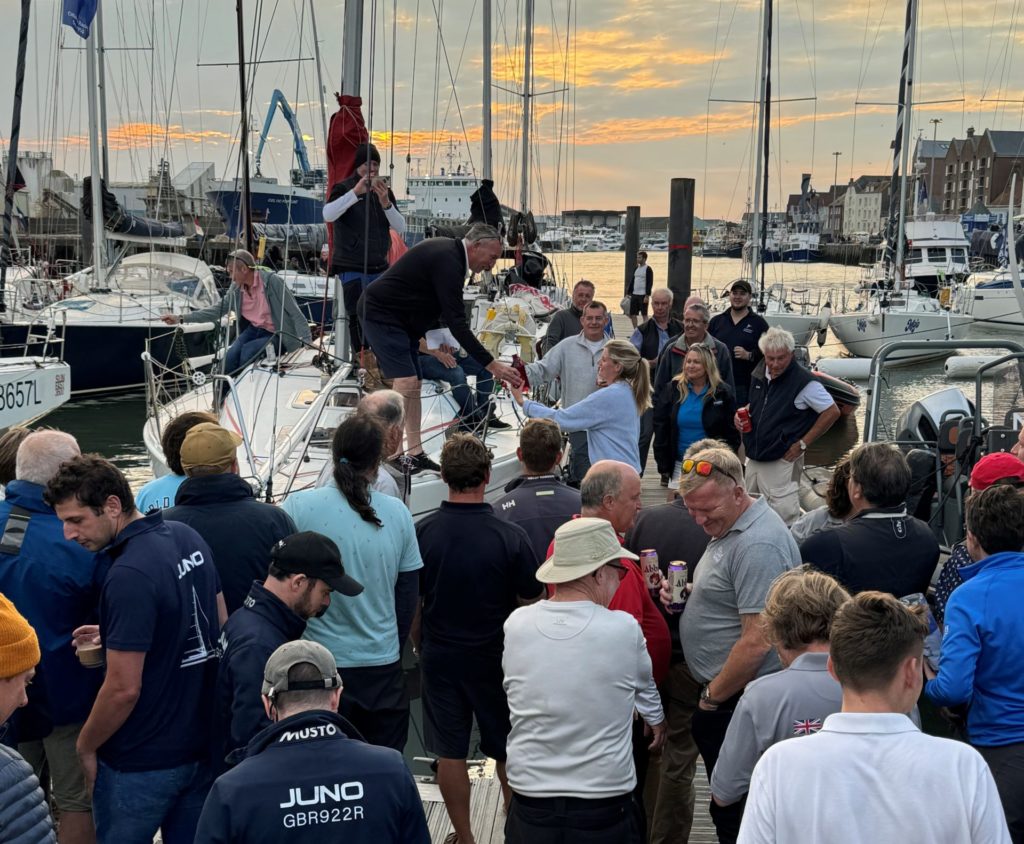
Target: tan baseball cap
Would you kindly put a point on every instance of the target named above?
(209, 444)
(582, 546)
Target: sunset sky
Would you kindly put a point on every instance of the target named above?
(639, 73)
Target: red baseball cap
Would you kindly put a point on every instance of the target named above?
(998, 466)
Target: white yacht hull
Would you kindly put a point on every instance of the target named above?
(31, 387)
(863, 334)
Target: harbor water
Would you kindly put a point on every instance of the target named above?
(113, 426)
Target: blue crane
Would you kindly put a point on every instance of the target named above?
(300, 147)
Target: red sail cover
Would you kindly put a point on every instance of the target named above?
(346, 133)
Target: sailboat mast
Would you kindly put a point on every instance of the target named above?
(101, 85)
(524, 194)
(485, 152)
(246, 208)
(762, 136)
(901, 149)
(12, 150)
(319, 72)
(99, 273)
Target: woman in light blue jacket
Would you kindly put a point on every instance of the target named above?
(610, 415)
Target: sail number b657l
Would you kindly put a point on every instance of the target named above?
(18, 394)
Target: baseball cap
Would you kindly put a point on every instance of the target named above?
(314, 555)
(998, 466)
(243, 255)
(582, 546)
(290, 654)
(743, 284)
(209, 444)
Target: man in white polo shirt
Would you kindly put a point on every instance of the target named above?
(870, 774)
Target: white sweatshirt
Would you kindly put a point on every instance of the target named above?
(574, 673)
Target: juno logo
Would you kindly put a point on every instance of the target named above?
(318, 795)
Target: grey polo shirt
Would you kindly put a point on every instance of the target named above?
(732, 579)
(789, 703)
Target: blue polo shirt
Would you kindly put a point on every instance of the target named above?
(158, 494)
(160, 598)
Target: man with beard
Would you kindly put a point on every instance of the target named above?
(304, 569)
(740, 329)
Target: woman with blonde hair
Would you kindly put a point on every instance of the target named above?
(695, 404)
(611, 414)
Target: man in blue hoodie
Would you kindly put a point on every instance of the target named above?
(309, 777)
(983, 644)
(304, 569)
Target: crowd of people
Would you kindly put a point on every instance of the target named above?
(193, 662)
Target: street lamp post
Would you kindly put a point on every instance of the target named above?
(835, 176)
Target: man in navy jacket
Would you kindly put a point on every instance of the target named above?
(309, 777)
(220, 506)
(304, 569)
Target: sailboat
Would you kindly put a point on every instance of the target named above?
(113, 311)
(287, 409)
(892, 306)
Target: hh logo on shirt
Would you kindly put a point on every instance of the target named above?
(806, 727)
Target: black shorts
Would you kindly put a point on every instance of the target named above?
(455, 690)
(397, 355)
(637, 305)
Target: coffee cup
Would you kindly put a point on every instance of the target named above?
(91, 656)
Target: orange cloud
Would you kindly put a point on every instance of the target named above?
(133, 135)
(614, 57)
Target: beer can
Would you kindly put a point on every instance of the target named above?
(677, 585)
(745, 425)
(651, 570)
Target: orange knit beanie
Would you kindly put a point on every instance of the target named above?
(19, 647)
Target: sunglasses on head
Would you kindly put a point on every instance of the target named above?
(704, 468)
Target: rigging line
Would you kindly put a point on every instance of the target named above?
(874, 43)
(394, 88)
(412, 93)
(454, 95)
(988, 53)
(432, 147)
(952, 44)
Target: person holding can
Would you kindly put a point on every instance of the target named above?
(695, 404)
(788, 411)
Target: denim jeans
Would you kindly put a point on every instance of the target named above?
(129, 807)
(456, 376)
(247, 345)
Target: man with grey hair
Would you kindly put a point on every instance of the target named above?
(264, 307)
(721, 631)
(388, 408)
(650, 339)
(420, 289)
(788, 410)
(611, 491)
(51, 581)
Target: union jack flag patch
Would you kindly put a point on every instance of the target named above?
(806, 727)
